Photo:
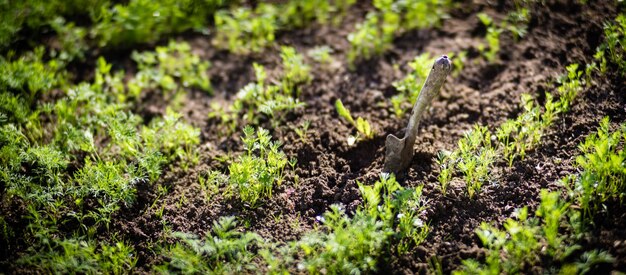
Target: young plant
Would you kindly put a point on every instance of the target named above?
(223, 250)
(474, 158)
(352, 244)
(446, 170)
(261, 99)
(107, 184)
(340, 9)
(73, 44)
(361, 125)
(242, 30)
(490, 52)
(302, 131)
(459, 60)
(525, 241)
(141, 21)
(299, 14)
(398, 208)
(371, 37)
(375, 35)
(517, 21)
(418, 14)
(255, 173)
(569, 87)
(77, 255)
(613, 47)
(390, 216)
(210, 183)
(166, 66)
(520, 135)
(603, 175)
(25, 78)
(174, 138)
(295, 71)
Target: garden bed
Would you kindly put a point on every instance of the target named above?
(329, 170)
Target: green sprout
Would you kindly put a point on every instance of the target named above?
(603, 176)
(361, 125)
(490, 52)
(445, 170)
(255, 173)
(375, 35)
(295, 71)
(242, 30)
(263, 99)
(526, 241)
(370, 38)
(222, 250)
(166, 66)
(613, 47)
(302, 130)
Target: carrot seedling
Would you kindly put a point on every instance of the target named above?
(361, 125)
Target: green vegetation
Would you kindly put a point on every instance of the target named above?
(351, 246)
(516, 23)
(569, 87)
(141, 21)
(371, 37)
(390, 214)
(322, 55)
(603, 176)
(255, 176)
(525, 132)
(243, 30)
(552, 236)
(223, 250)
(473, 158)
(101, 160)
(167, 66)
(362, 126)
(109, 24)
(391, 18)
(527, 241)
(302, 130)
(476, 153)
(295, 71)
(490, 52)
(83, 166)
(400, 209)
(210, 183)
(263, 99)
(121, 25)
(613, 46)
(80, 256)
(389, 217)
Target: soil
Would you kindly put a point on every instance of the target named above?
(560, 33)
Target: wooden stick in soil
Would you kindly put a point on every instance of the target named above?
(399, 152)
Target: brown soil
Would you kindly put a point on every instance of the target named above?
(560, 33)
